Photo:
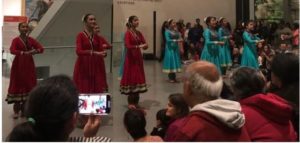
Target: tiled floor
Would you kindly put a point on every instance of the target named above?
(112, 125)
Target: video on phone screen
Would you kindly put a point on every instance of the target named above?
(92, 104)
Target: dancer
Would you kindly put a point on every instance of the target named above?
(249, 55)
(211, 51)
(225, 35)
(133, 80)
(23, 75)
(89, 71)
(172, 62)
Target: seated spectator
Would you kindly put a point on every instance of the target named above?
(285, 82)
(177, 110)
(52, 110)
(135, 123)
(267, 57)
(162, 123)
(211, 118)
(268, 116)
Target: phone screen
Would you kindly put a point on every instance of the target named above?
(98, 104)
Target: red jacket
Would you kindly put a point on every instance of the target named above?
(200, 126)
(268, 118)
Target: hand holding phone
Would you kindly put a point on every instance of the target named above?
(97, 104)
(91, 127)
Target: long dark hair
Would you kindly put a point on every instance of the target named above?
(208, 19)
(135, 123)
(51, 105)
(181, 107)
(130, 21)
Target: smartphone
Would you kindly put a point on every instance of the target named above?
(97, 104)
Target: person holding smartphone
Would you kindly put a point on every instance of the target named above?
(51, 112)
(133, 80)
(23, 74)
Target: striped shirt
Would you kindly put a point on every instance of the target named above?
(89, 139)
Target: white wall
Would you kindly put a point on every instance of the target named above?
(188, 10)
(12, 7)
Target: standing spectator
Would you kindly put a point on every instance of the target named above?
(195, 37)
(238, 34)
(268, 116)
(186, 44)
(296, 36)
(271, 38)
(133, 80)
(283, 37)
(210, 118)
(23, 74)
(172, 62)
(249, 55)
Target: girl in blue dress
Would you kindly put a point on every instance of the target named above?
(172, 62)
(249, 55)
(225, 35)
(212, 45)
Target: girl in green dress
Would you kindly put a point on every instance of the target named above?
(249, 55)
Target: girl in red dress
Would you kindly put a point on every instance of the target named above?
(89, 72)
(105, 44)
(23, 75)
(133, 80)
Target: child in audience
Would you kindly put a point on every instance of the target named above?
(267, 58)
(162, 122)
(135, 123)
(177, 109)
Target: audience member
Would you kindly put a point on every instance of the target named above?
(52, 111)
(135, 123)
(162, 123)
(268, 116)
(177, 109)
(285, 81)
(211, 118)
(283, 37)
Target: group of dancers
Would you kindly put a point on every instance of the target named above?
(89, 71)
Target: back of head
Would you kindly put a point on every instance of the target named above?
(135, 123)
(182, 109)
(23, 133)
(51, 105)
(162, 117)
(286, 67)
(246, 82)
(204, 80)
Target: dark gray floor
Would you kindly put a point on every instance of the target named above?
(112, 125)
